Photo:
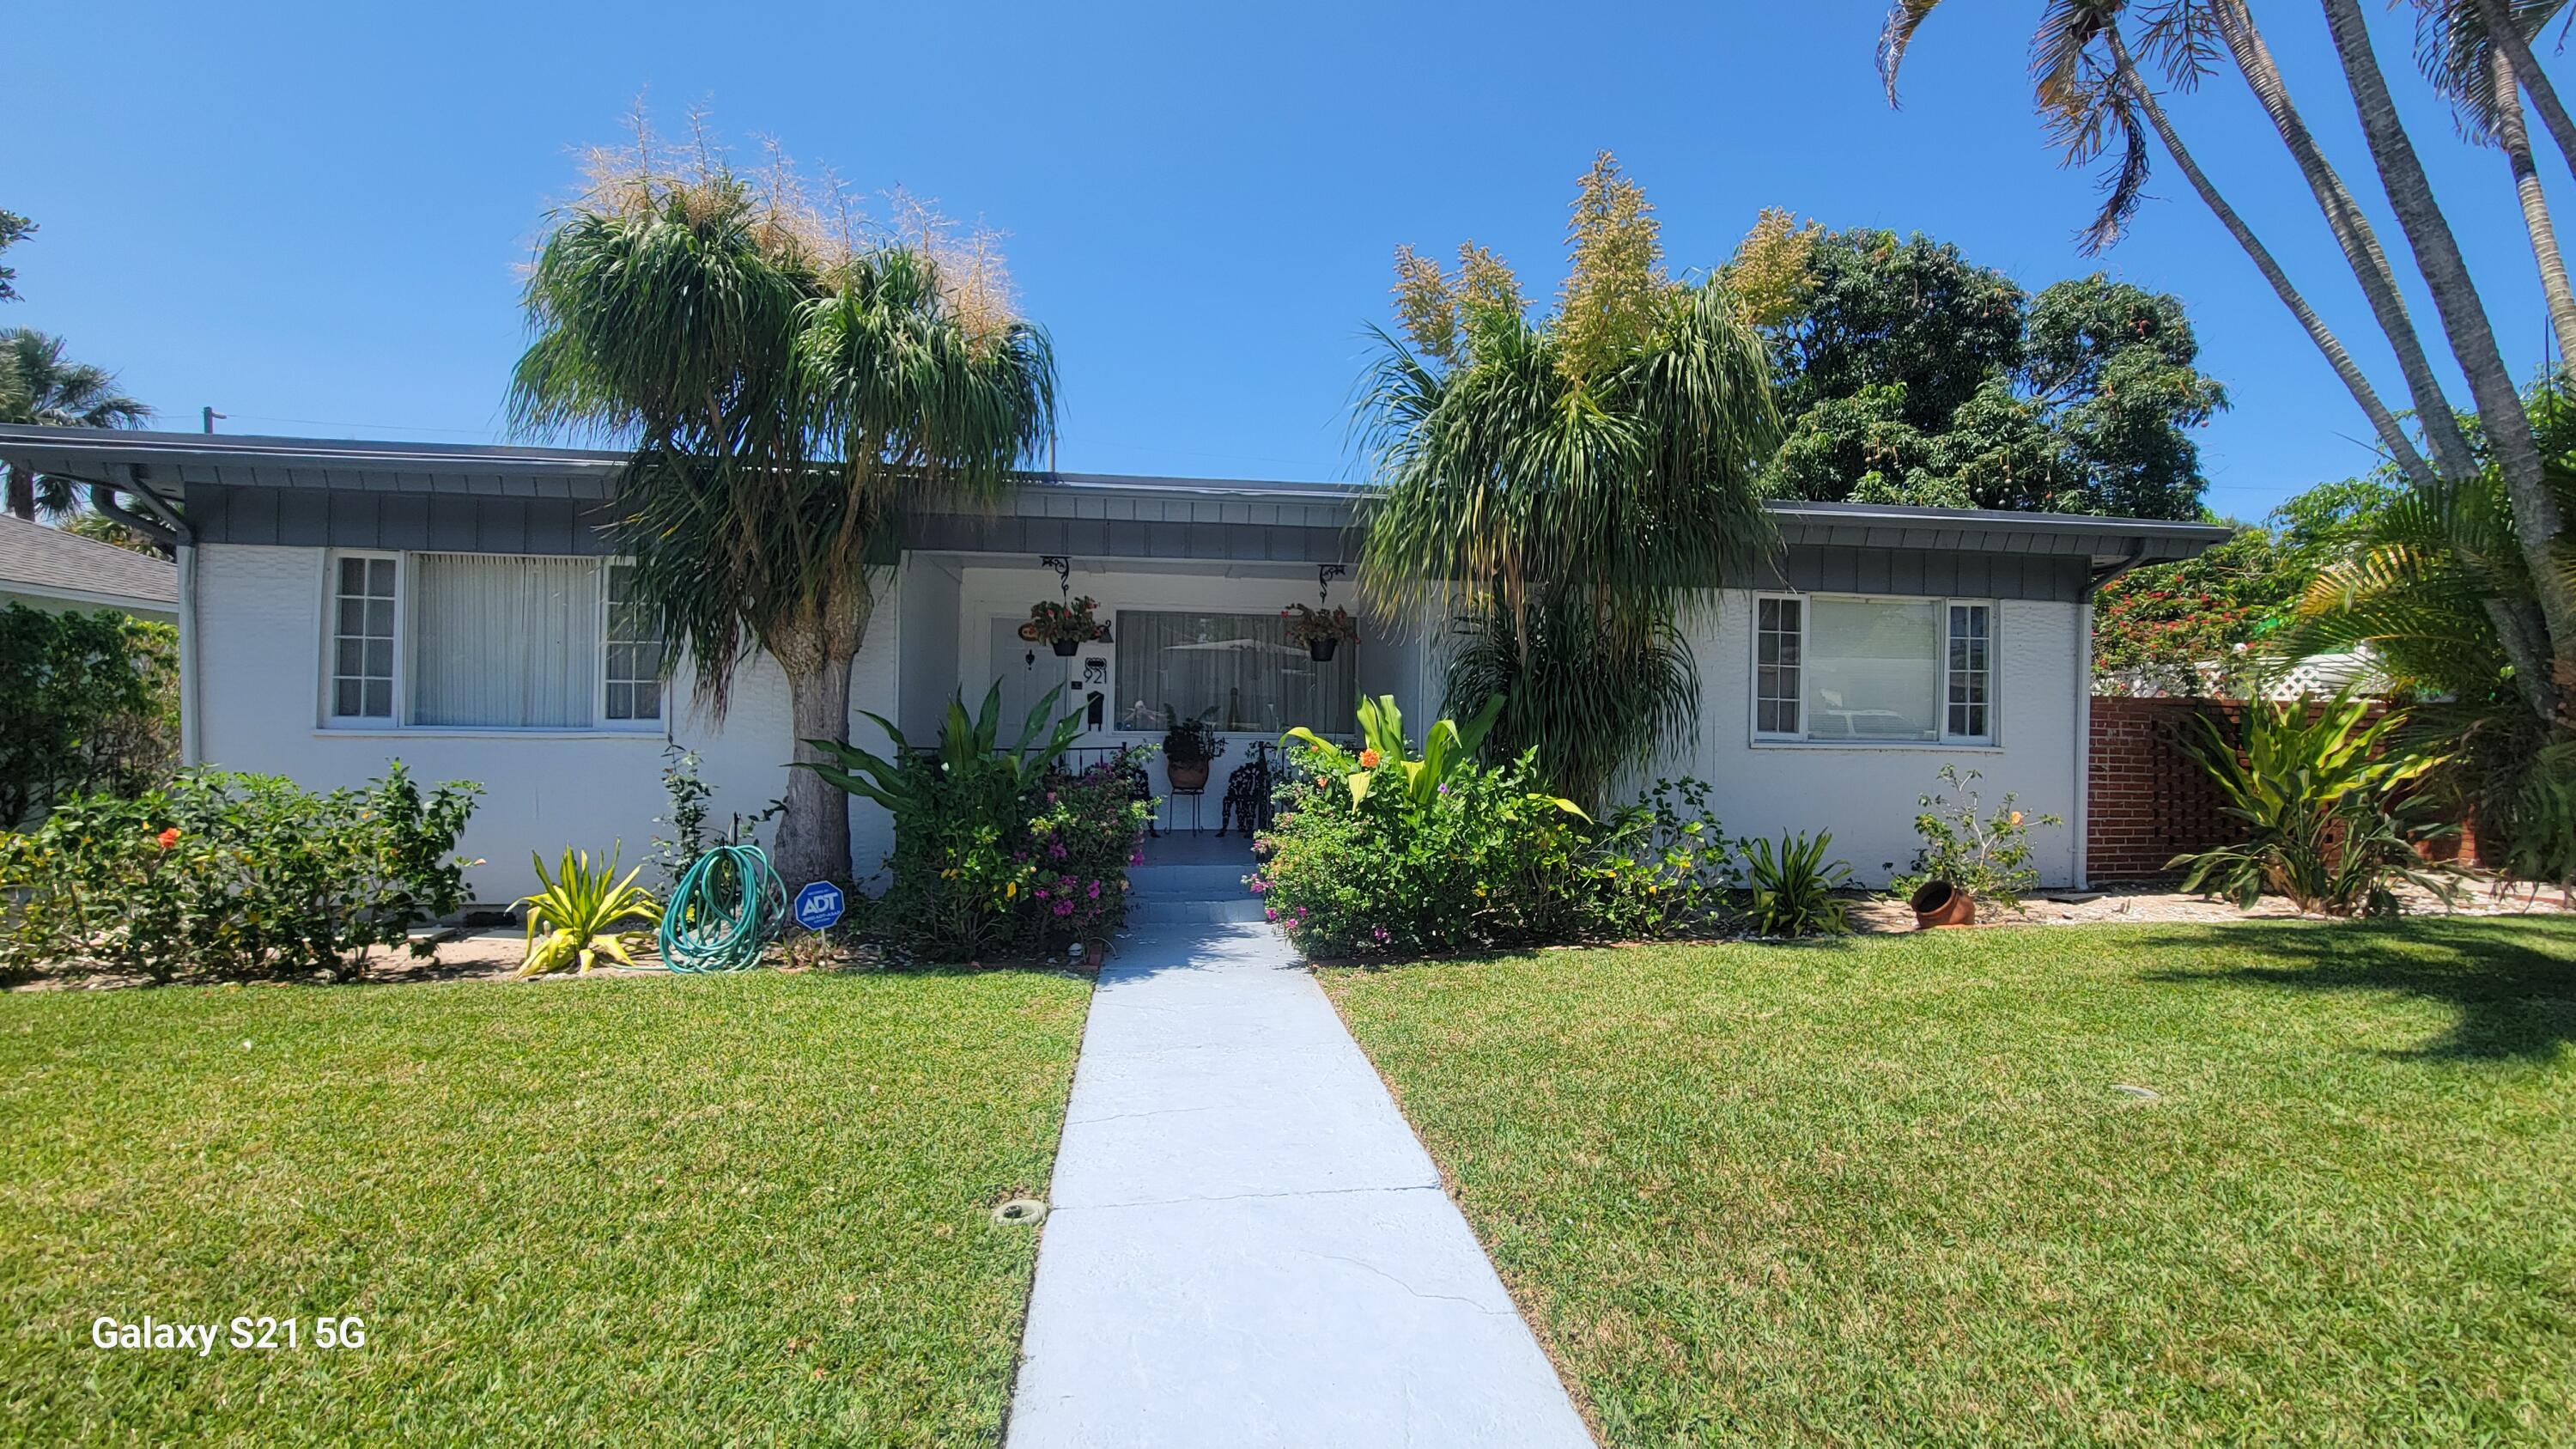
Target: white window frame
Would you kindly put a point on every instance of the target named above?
(326, 694)
(1942, 605)
(599, 692)
(1993, 674)
(330, 642)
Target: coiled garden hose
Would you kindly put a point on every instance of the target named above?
(723, 911)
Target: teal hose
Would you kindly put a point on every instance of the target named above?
(724, 909)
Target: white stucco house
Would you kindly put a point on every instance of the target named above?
(345, 603)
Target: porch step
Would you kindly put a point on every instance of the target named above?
(1172, 910)
(1191, 880)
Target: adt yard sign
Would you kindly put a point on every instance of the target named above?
(819, 905)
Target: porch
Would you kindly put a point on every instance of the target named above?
(1188, 639)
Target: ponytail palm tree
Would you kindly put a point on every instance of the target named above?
(1573, 487)
(785, 391)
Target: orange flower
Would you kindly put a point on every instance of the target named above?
(169, 838)
(1369, 759)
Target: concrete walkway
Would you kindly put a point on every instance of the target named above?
(1247, 1246)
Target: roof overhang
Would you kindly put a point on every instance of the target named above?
(1049, 506)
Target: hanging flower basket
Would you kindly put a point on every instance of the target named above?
(1321, 631)
(1065, 627)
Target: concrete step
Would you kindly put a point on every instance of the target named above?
(1190, 880)
(1169, 911)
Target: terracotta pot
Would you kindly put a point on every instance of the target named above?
(1939, 903)
(1321, 650)
(1095, 954)
(1066, 648)
(1186, 774)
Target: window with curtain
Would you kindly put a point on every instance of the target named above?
(504, 642)
(494, 641)
(1240, 665)
(1886, 670)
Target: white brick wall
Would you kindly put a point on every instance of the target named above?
(260, 691)
(1866, 793)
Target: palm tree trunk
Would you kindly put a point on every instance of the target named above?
(817, 652)
(2515, 137)
(2452, 457)
(2504, 35)
(2507, 427)
(22, 494)
(2392, 436)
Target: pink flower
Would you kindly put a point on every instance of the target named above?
(1270, 913)
(1094, 892)
(1258, 885)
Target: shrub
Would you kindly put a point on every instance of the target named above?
(92, 707)
(1380, 852)
(978, 831)
(1660, 866)
(1486, 862)
(2312, 787)
(1078, 840)
(230, 877)
(691, 818)
(1987, 855)
(1790, 889)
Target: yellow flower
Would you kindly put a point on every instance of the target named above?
(1010, 890)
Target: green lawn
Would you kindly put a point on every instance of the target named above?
(1884, 1190)
(739, 1209)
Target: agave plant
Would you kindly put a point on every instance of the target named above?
(2310, 783)
(1792, 885)
(1447, 746)
(573, 919)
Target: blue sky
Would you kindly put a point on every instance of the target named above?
(309, 216)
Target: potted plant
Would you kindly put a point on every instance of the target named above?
(1968, 853)
(1321, 632)
(1066, 626)
(1188, 745)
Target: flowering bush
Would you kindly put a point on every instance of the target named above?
(1361, 862)
(225, 876)
(1985, 853)
(1082, 835)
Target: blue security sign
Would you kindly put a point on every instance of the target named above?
(819, 905)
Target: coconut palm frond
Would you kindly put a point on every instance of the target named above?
(1896, 36)
(2453, 50)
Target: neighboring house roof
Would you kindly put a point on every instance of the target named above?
(49, 563)
(271, 485)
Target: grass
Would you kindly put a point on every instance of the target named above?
(1886, 1191)
(751, 1209)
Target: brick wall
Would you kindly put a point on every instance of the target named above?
(2147, 800)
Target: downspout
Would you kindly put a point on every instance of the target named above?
(2082, 820)
(169, 528)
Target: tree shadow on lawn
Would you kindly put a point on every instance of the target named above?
(2513, 983)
